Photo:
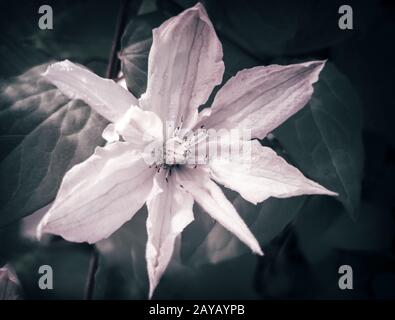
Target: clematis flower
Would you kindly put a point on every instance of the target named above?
(99, 195)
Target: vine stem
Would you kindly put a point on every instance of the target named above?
(111, 73)
(113, 62)
(92, 269)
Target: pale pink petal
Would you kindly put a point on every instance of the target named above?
(10, 287)
(122, 81)
(169, 212)
(185, 64)
(211, 198)
(100, 194)
(105, 96)
(140, 127)
(110, 134)
(262, 174)
(262, 98)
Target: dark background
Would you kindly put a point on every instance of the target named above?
(343, 139)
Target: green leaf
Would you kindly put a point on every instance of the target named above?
(42, 135)
(324, 139)
(77, 34)
(206, 241)
(211, 281)
(373, 81)
(324, 228)
(284, 27)
(135, 46)
(122, 268)
(324, 238)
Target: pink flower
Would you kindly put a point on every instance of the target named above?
(99, 195)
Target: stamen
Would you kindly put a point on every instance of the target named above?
(177, 149)
(197, 137)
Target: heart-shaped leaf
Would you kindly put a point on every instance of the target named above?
(42, 135)
(207, 241)
(122, 271)
(324, 139)
(324, 228)
(136, 44)
(284, 27)
(77, 34)
(122, 268)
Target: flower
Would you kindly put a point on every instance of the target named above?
(99, 195)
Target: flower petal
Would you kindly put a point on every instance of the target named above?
(261, 174)
(169, 212)
(105, 96)
(262, 98)
(110, 134)
(211, 198)
(185, 64)
(140, 127)
(100, 194)
(10, 287)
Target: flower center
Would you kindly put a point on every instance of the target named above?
(176, 151)
(179, 150)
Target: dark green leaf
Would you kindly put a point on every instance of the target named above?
(210, 281)
(206, 241)
(136, 43)
(42, 135)
(325, 138)
(285, 27)
(323, 239)
(122, 268)
(122, 273)
(324, 228)
(77, 34)
(371, 73)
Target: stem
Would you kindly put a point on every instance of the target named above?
(113, 63)
(112, 71)
(90, 281)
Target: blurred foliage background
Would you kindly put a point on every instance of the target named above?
(343, 139)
